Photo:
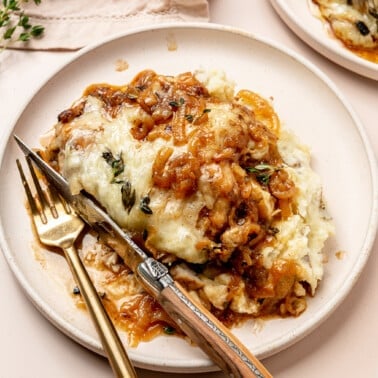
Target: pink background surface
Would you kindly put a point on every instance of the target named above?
(345, 345)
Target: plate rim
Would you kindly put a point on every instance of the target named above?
(321, 316)
(342, 57)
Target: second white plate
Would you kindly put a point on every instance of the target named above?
(297, 15)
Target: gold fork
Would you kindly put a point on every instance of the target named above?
(58, 226)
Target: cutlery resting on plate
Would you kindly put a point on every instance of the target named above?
(224, 215)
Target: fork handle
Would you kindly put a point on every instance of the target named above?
(110, 340)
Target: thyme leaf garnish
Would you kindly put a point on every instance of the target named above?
(108, 156)
(144, 202)
(262, 172)
(128, 196)
(169, 330)
(362, 28)
(118, 167)
(15, 24)
(189, 117)
(116, 163)
(176, 104)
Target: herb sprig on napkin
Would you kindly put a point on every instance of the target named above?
(15, 24)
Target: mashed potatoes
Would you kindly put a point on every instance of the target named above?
(210, 185)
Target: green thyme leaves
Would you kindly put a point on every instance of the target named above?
(176, 104)
(128, 193)
(15, 24)
(193, 118)
(108, 156)
(189, 117)
(144, 202)
(168, 330)
(262, 172)
(128, 196)
(116, 163)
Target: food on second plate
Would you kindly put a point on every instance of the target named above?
(354, 22)
(209, 183)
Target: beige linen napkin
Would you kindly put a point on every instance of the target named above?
(72, 24)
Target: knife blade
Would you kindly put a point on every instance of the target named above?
(192, 318)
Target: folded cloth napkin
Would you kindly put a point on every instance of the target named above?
(72, 24)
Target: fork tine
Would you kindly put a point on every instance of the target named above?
(62, 232)
(29, 195)
(58, 200)
(42, 194)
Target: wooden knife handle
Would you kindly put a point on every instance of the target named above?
(210, 334)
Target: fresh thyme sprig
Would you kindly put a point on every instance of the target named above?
(117, 164)
(15, 24)
(262, 172)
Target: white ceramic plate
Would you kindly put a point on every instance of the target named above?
(310, 105)
(297, 15)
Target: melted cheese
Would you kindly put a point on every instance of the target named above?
(87, 169)
(248, 236)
